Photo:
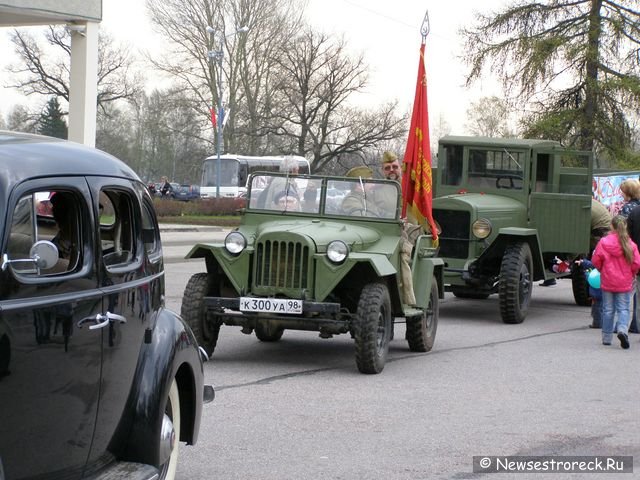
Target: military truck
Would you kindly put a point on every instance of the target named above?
(509, 209)
(298, 261)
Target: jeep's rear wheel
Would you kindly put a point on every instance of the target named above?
(421, 331)
(514, 289)
(267, 332)
(462, 292)
(372, 328)
(580, 287)
(194, 312)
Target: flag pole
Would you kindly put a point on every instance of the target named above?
(417, 177)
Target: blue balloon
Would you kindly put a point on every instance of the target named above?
(594, 278)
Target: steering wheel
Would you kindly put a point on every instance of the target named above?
(511, 184)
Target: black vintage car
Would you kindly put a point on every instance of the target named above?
(97, 378)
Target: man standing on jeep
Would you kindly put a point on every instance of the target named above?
(390, 169)
(386, 200)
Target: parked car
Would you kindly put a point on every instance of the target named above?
(97, 378)
(186, 192)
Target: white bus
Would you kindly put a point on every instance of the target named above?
(235, 170)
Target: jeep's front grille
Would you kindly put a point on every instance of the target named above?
(454, 239)
(282, 264)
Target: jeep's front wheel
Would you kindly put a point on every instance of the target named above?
(194, 312)
(515, 285)
(421, 331)
(372, 328)
(267, 332)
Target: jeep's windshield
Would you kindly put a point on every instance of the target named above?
(313, 194)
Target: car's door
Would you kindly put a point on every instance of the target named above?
(49, 383)
(130, 273)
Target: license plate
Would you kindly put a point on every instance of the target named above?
(270, 305)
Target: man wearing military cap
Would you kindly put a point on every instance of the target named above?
(386, 199)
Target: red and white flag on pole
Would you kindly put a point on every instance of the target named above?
(212, 111)
(417, 176)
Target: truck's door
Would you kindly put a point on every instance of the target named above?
(560, 203)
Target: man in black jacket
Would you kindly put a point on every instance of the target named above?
(633, 226)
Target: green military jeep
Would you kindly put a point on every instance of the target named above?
(299, 261)
(507, 209)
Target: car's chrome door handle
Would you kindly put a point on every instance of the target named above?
(101, 321)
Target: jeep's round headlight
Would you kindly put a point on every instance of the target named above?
(337, 251)
(481, 228)
(235, 243)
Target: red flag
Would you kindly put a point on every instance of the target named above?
(212, 111)
(416, 169)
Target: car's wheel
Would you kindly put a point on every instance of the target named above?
(194, 313)
(170, 434)
(515, 285)
(372, 328)
(266, 332)
(421, 331)
(580, 287)
(461, 292)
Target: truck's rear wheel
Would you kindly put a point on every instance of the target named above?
(421, 331)
(515, 285)
(372, 328)
(194, 313)
(580, 287)
(266, 332)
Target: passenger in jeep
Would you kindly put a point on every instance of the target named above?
(359, 201)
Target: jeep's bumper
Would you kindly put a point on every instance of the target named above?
(316, 316)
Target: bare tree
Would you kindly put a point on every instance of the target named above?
(248, 59)
(315, 79)
(20, 119)
(37, 73)
(488, 117)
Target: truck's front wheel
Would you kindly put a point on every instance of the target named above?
(372, 328)
(194, 312)
(515, 285)
(421, 331)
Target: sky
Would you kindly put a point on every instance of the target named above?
(386, 32)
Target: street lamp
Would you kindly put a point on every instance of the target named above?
(218, 55)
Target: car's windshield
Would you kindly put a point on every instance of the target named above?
(324, 195)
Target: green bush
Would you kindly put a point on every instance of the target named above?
(207, 207)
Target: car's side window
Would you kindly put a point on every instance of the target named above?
(117, 237)
(47, 215)
(150, 234)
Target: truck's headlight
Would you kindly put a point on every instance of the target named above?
(235, 243)
(481, 228)
(337, 251)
